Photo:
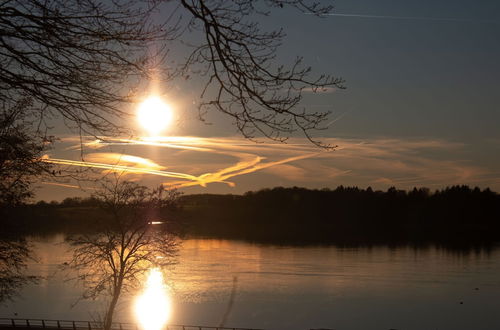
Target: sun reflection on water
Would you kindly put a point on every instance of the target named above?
(153, 307)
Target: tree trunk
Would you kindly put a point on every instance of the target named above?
(108, 320)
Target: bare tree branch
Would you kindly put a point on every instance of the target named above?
(243, 80)
(82, 59)
(13, 255)
(133, 240)
(76, 59)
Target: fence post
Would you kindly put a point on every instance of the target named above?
(58, 325)
(90, 328)
(120, 326)
(13, 323)
(27, 323)
(43, 324)
(74, 326)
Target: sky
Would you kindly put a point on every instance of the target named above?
(421, 108)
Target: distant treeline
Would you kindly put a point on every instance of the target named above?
(349, 215)
(456, 215)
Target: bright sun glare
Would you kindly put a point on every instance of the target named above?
(153, 307)
(154, 115)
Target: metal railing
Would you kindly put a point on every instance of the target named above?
(94, 325)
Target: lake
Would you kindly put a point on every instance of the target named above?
(282, 287)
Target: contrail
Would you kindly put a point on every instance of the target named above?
(248, 161)
(119, 168)
(237, 170)
(61, 185)
(416, 18)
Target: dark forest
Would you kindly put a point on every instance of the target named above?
(456, 216)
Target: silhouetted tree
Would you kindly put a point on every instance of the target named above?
(135, 238)
(80, 60)
(14, 251)
(244, 81)
(73, 59)
(21, 152)
(455, 216)
(20, 162)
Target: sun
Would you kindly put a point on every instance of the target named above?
(154, 115)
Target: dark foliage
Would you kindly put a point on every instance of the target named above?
(455, 216)
(21, 150)
(348, 215)
(14, 251)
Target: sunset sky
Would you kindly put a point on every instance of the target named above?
(421, 108)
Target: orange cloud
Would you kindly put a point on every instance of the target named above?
(379, 161)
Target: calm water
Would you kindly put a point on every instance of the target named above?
(298, 288)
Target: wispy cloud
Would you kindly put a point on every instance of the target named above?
(408, 162)
(193, 161)
(248, 161)
(123, 159)
(416, 18)
(239, 169)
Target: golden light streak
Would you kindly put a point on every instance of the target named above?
(224, 175)
(367, 161)
(123, 159)
(119, 168)
(153, 307)
(198, 144)
(61, 185)
(220, 176)
(248, 161)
